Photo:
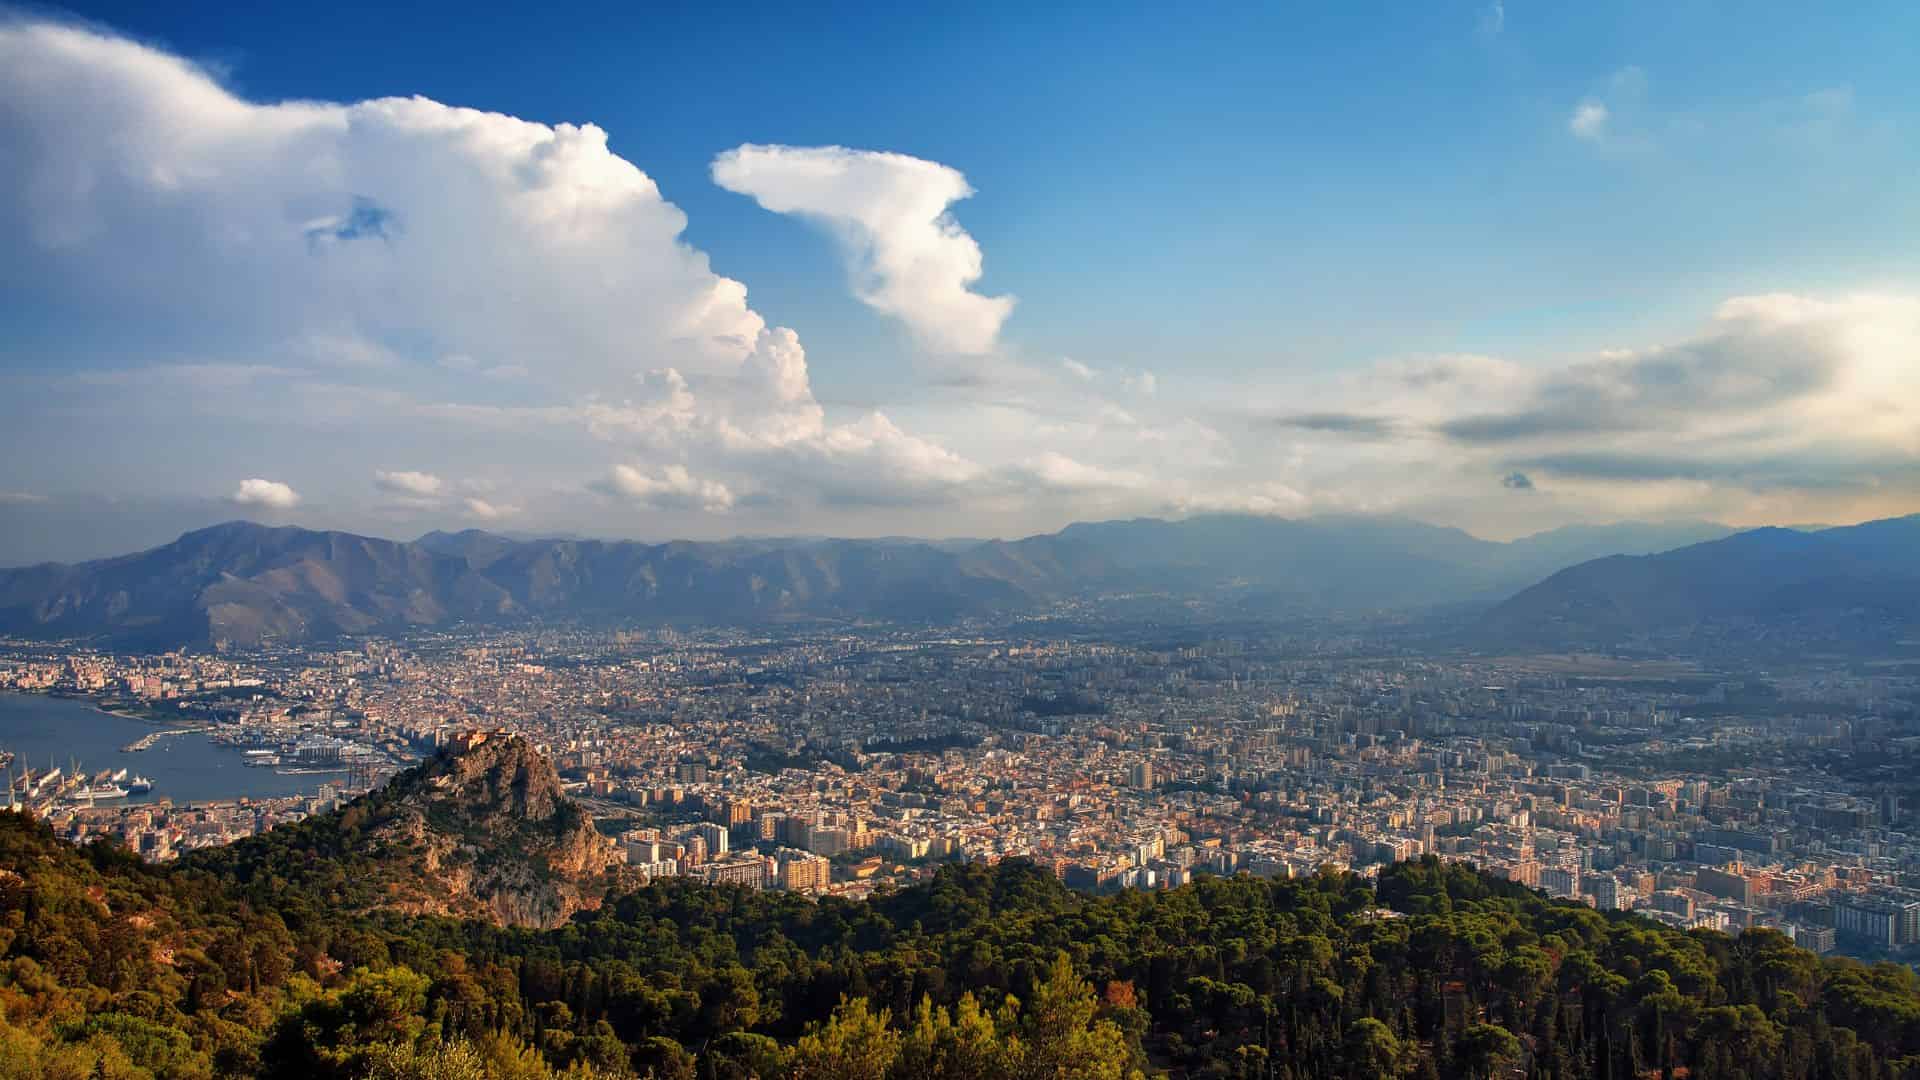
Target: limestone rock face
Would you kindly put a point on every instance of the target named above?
(488, 832)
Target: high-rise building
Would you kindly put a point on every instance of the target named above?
(801, 872)
(1610, 895)
(1141, 775)
(768, 827)
(1559, 881)
(828, 841)
(735, 813)
(1730, 883)
(748, 871)
(1877, 921)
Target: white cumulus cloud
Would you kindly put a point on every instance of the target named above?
(269, 494)
(405, 482)
(1059, 472)
(478, 507)
(670, 486)
(402, 259)
(1589, 119)
(910, 258)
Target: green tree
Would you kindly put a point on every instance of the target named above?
(964, 1044)
(856, 1043)
(1487, 1049)
(1062, 1038)
(1372, 1049)
(456, 1061)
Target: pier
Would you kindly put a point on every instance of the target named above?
(152, 738)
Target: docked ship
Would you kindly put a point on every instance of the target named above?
(139, 785)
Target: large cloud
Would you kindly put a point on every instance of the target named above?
(401, 261)
(347, 236)
(910, 258)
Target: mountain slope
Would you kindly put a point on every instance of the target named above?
(245, 585)
(1557, 548)
(1337, 561)
(483, 833)
(1857, 584)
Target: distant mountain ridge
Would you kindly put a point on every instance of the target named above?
(1848, 585)
(245, 584)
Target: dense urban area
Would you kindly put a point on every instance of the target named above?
(843, 760)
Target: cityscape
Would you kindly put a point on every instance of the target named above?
(991, 541)
(839, 761)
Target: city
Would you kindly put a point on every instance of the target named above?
(841, 761)
(959, 542)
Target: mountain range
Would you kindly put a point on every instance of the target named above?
(246, 584)
(1850, 586)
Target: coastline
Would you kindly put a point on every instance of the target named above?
(118, 707)
(184, 762)
(156, 721)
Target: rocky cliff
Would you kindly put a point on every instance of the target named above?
(484, 831)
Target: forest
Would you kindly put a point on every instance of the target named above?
(112, 967)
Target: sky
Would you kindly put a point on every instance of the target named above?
(702, 271)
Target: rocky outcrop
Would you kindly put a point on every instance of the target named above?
(482, 830)
(487, 832)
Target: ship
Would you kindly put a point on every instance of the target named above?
(100, 791)
(139, 785)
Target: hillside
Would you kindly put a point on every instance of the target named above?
(1851, 587)
(486, 833)
(110, 967)
(244, 584)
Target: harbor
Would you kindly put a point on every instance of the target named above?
(77, 754)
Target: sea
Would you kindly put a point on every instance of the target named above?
(187, 767)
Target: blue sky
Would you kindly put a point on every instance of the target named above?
(1264, 210)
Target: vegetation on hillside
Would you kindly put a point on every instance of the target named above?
(110, 967)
